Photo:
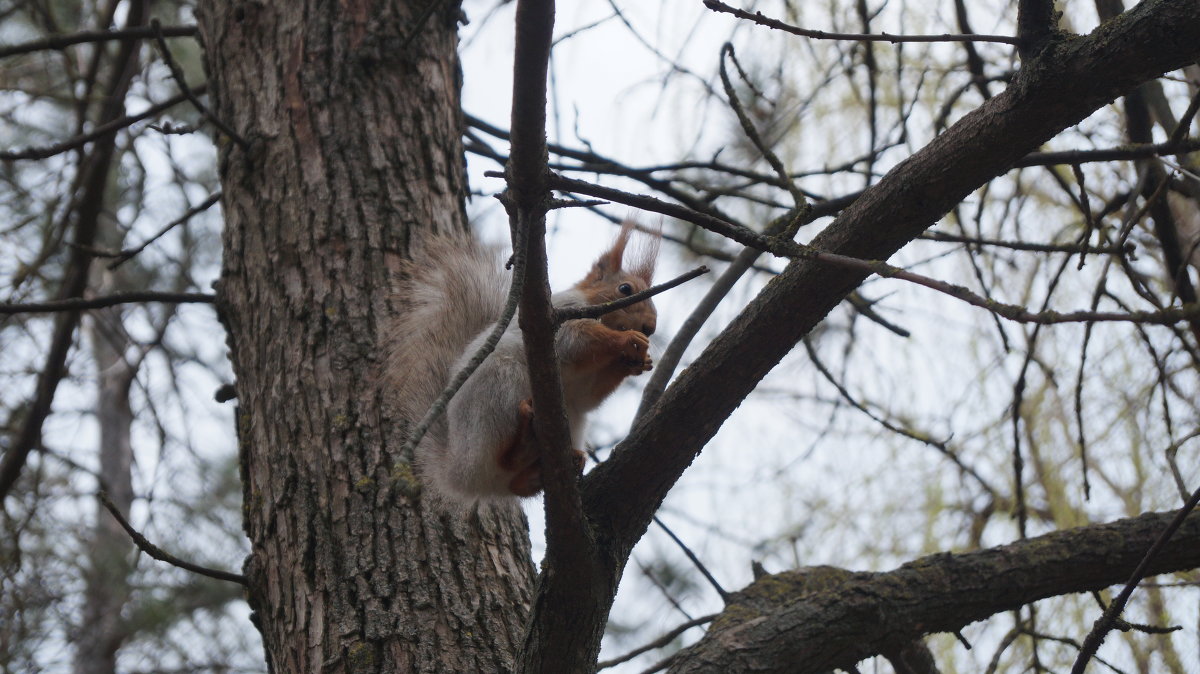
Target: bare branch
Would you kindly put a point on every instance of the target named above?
(1128, 152)
(687, 551)
(919, 436)
(81, 303)
(125, 255)
(177, 75)
(834, 625)
(1014, 312)
(789, 249)
(743, 235)
(569, 583)
(55, 42)
(160, 554)
(657, 643)
(621, 494)
(99, 132)
(85, 214)
(1035, 21)
(798, 200)
(1106, 621)
(1030, 246)
(669, 360)
(757, 17)
(598, 310)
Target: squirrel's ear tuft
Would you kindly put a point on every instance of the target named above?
(610, 260)
(645, 255)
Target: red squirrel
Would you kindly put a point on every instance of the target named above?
(452, 292)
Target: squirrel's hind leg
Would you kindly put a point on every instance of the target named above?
(521, 455)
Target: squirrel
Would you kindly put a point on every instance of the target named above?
(451, 293)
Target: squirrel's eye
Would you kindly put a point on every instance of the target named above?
(625, 289)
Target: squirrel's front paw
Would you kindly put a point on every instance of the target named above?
(636, 352)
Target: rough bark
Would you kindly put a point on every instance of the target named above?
(355, 147)
(815, 620)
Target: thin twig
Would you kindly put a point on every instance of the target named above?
(712, 580)
(1174, 465)
(125, 255)
(940, 445)
(1015, 312)
(683, 547)
(757, 17)
(660, 665)
(99, 132)
(799, 201)
(85, 212)
(1080, 426)
(1067, 641)
(670, 358)
(177, 75)
(80, 303)
(1126, 626)
(1185, 122)
(657, 643)
(592, 162)
(743, 235)
(1106, 621)
(790, 249)
(1029, 246)
(160, 554)
(564, 314)
(55, 42)
(1127, 152)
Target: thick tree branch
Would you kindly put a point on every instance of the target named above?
(1068, 80)
(528, 201)
(786, 619)
(573, 591)
(1035, 21)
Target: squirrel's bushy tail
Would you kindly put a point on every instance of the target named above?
(452, 289)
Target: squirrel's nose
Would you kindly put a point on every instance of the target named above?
(647, 329)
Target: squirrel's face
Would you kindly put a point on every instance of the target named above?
(613, 277)
(642, 316)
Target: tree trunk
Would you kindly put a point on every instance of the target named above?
(350, 146)
(110, 554)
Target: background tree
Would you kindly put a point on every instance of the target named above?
(339, 133)
(98, 216)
